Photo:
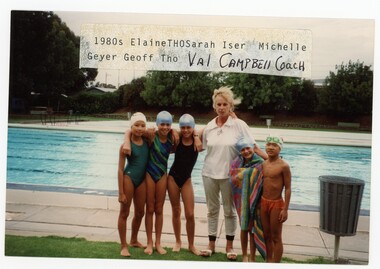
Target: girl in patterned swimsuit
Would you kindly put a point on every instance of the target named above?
(131, 183)
(156, 180)
(179, 183)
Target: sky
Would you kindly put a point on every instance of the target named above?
(334, 40)
(342, 30)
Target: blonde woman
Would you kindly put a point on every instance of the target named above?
(219, 138)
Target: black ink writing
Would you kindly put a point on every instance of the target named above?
(199, 61)
(233, 45)
(138, 58)
(108, 41)
(226, 61)
(101, 57)
(169, 58)
(281, 65)
(283, 47)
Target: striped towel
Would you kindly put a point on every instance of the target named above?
(247, 182)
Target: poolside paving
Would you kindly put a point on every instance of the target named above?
(93, 216)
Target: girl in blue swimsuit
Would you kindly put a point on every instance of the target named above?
(131, 183)
(179, 183)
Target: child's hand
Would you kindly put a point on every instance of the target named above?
(127, 149)
(175, 137)
(127, 143)
(283, 216)
(122, 198)
(233, 115)
(197, 144)
(260, 152)
(150, 133)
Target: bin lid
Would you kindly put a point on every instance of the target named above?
(341, 180)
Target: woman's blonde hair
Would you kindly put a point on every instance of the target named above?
(226, 93)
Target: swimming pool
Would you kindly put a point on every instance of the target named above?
(89, 160)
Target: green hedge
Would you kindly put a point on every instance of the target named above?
(91, 103)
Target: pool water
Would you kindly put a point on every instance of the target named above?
(89, 160)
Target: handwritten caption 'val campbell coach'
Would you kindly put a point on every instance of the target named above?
(280, 52)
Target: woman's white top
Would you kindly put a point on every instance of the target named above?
(220, 145)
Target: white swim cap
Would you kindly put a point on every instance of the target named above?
(164, 117)
(138, 116)
(186, 120)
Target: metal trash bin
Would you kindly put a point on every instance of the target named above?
(340, 199)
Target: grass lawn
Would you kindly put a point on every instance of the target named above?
(59, 247)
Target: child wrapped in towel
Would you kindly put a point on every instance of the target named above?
(246, 179)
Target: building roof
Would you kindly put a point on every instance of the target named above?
(101, 89)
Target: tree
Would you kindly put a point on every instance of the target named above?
(263, 93)
(44, 57)
(159, 87)
(304, 98)
(349, 91)
(195, 89)
(180, 89)
(130, 94)
(92, 103)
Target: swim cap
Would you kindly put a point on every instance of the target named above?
(186, 120)
(275, 140)
(243, 142)
(138, 116)
(164, 117)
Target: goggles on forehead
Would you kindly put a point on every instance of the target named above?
(273, 139)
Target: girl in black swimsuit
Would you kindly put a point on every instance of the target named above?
(179, 183)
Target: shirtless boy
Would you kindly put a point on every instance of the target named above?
(274, 209)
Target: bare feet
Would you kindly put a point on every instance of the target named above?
(194, 250)
(149, 249)
(245, 258)
(160, 249)
(136, 244)
(177, 247)
(125, 252)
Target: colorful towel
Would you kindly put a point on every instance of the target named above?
(247, 182)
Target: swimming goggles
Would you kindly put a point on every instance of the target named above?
(273, 139)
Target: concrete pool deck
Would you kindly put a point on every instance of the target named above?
(94, 217)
